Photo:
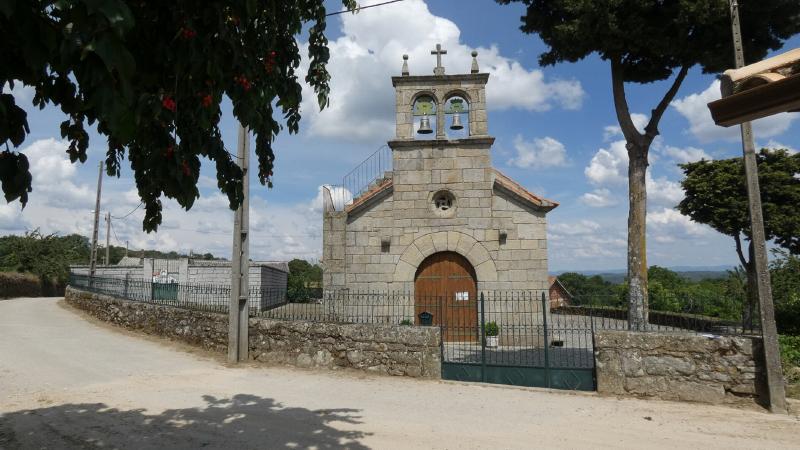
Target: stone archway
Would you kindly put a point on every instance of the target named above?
(443, 241)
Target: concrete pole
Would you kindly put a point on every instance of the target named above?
(93, 255)
(108, 236)
(769, 332)
(240, 261)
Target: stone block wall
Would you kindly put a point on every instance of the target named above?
(202, 329)
(679, 367)
(383, 349)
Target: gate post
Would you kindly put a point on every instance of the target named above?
(483, 339)
(546, 345)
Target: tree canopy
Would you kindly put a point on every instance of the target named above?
(716, 195)
(152, 76)
(652, 38)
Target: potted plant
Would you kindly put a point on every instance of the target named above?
(491, 330)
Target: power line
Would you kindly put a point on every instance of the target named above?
(363, 7)
(132, 211)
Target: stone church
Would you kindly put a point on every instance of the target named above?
(442, 220)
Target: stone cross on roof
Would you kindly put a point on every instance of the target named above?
(439, 69)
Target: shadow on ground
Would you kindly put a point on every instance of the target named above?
(244, 421)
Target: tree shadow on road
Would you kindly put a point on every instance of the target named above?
(241, 422)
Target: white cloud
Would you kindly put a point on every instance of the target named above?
(662, 192)
(686, 154)
(613, 131)
(694, 108)
(670, 224)
(22, 94)
(539, 153)
(599, 198)
(582, 227)
(609, 166)
(52, 174)
(369, 52)
(773, 144)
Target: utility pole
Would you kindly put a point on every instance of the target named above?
(775, 386)
(240, 261)
(126, 249)
(108, 235)
(93, 256)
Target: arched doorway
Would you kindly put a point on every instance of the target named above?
(445, 286)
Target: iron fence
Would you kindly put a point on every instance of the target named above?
(201, 297)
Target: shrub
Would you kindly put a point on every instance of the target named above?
(491, 329)
(406, 322)
(14, 284)
(790, 350)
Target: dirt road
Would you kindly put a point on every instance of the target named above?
(68, 382)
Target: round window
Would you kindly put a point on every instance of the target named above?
(444, 203)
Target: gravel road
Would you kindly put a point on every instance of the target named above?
(67, 381)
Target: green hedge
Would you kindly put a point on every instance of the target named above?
(14, 284)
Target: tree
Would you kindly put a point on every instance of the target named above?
(47, 256)
(646, 41)
(785, 276)
(303, 276)
(716, 195)
(152, 76)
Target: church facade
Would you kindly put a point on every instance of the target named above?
(443, 220)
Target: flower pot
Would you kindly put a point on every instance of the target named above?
(491, 341)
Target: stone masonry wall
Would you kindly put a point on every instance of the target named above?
(384, 349)
(679, 367)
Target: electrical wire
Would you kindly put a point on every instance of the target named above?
(132, 211)
(363, 7)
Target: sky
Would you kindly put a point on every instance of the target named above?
(555, 127)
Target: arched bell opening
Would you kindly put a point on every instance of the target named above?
(456, 112)
(424, 112)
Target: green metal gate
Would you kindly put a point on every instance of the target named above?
(530, 346)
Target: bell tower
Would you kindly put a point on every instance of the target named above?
(424, 103)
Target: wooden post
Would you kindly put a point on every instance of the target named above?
(240, 261)
(769, 332)
(93, 255)
(108, 237)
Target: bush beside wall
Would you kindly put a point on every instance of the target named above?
(13, 284)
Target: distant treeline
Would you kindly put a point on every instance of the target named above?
(721, 297)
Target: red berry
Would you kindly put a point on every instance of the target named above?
(169, 103)
(186, 170)
(170, 151)
(207, 101)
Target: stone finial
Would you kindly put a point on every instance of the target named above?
(405, 66)
(474, 62)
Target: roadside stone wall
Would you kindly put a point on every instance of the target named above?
(384, 349)
(679, 367)
(202, 329)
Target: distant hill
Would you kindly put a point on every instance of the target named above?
(691, 273)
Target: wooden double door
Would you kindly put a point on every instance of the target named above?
(445, 287)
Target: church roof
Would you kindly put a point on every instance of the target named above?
(500, 180)
(507, 184)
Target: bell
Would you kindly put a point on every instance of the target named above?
(456, 122)
(425, 126)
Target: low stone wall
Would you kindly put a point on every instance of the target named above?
(389, 349)
(385, 349)
(679, 367)
(203, 329)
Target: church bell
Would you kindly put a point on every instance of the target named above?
(456, 122)
(425, 126)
